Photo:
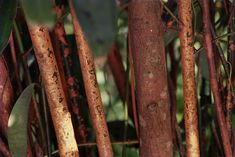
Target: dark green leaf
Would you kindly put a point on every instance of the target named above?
(117, 130)
(39, 11)
(203, 65)
(197, 16)
(7, 15)
(169, 36)
(98, 21)
(17, 124)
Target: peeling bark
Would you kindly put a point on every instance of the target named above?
(58, 55)
(92, 89)
(54, 90)
(78, 120)
(147, 45)
(189, 84)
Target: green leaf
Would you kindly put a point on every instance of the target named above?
(117, 129)
(17, 124)
(197, 16)
(7, 15)
(39, 12)
(203, 65)
(98, 21)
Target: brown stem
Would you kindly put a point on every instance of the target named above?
(233, 77)
(147, 45)
(4, 150)
(213, 79)
(46, 117)
(132, 78)
(117, 68)
(15, 63)
(118, 71)
(92, 89)
(58, 55)
(54, 90)
(23, 58)
(113, 143)
(189, 85)
(231, 47)
(176, 136)
(172, 83)
(6, 97)
(70, 79)
(233, 140)
(216, 137)
(229, 107)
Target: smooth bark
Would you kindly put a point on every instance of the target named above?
(147, 46)
(213, 79)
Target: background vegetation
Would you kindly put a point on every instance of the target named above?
(26, 98)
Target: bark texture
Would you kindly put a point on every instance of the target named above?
(54, 90)
(147, 46)
(92, 89)
(77, 117)
(189, 85)
(6, 98)
(213, 79)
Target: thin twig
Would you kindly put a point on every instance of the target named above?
(170, 12)
(45, 112)
(95, 144)
(132, 78)
(15, 63)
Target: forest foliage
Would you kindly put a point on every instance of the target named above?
(117, 78)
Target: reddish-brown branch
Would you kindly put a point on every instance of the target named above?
(54, 90)
(189, 85)
(90, 144)
(233, 140)
(118, 71)
(58, 55)
(229, 107)
(6, 97)
(213, 79)
(231, 49)
(172, 83)
(117, 68)
(79, 123)
(216, 137)
(113, 143)
(147, 45)
(15, 63)
(92, 89)
(132, 78)
(4, 150)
